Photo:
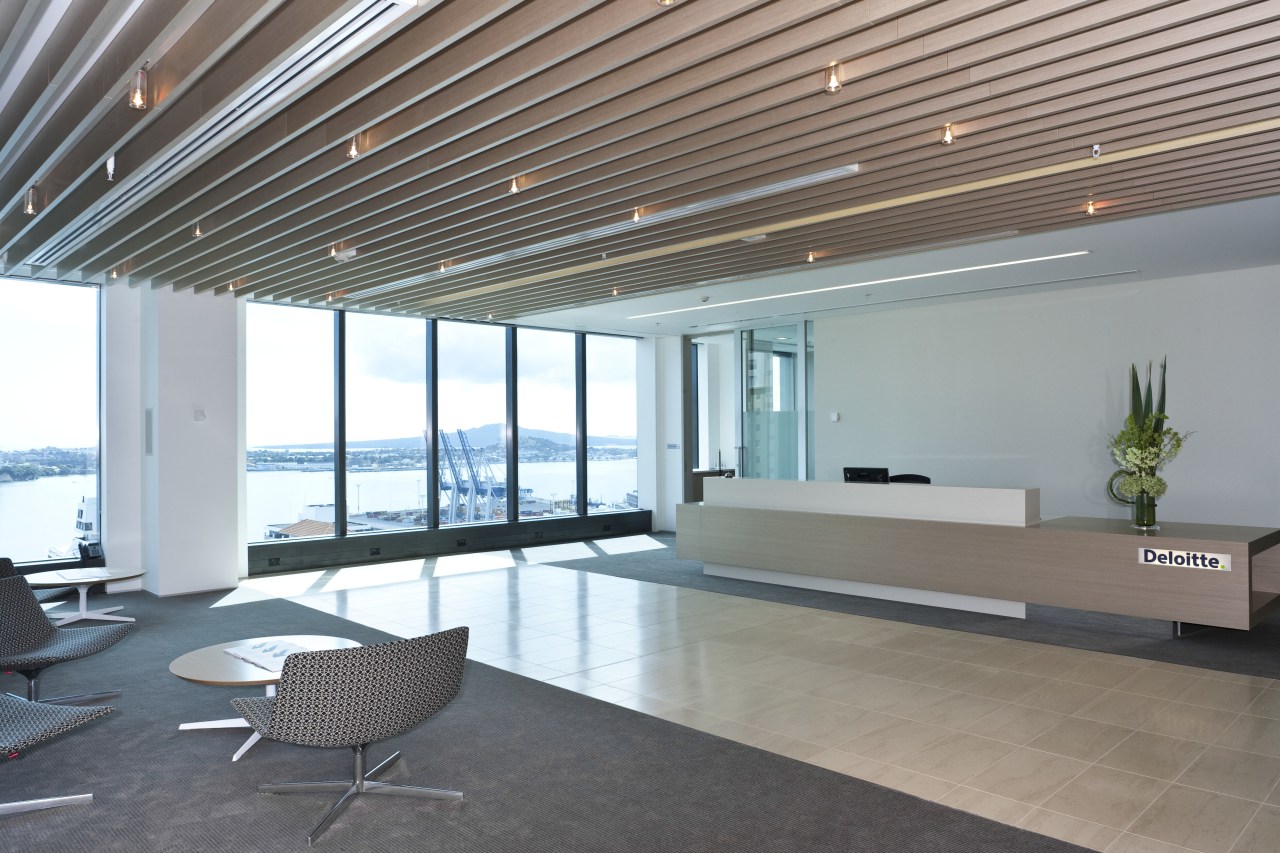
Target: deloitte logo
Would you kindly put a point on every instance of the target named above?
(1184, 559)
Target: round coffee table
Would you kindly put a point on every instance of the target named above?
(82, 579)
(212, 665)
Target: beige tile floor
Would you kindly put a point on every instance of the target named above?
(1113, 753)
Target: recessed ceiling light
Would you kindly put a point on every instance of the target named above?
(865, 284)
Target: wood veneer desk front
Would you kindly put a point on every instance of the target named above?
(1081, 563)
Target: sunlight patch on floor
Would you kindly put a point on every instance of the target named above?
(378, 574)
(272, 586)
(558, 553)
(465, 564)
(629, 544)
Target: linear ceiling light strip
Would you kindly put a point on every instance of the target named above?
(1085, 162)
(661, 215)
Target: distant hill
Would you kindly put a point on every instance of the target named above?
(481, 436)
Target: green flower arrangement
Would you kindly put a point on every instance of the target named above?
(1143, 448)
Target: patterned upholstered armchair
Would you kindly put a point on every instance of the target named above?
(24, 724)
(30, 644)
(354, 697)
(7, 570)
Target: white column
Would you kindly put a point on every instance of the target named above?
(173, 438)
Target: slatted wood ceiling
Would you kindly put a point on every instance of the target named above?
(598, 110)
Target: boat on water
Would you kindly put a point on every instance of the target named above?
(87, 532)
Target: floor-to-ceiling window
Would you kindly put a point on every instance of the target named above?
(386, 422)
(612, 472)
(472, 416)
(546, 387)
(49, 429)
(360, 421)
(289, 422)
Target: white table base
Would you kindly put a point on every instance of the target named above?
(234, 723)
(85, 613)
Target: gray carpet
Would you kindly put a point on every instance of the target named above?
(1255, 652)
(544, 769)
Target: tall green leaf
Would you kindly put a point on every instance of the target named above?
(1135, 396)
(1159, 424)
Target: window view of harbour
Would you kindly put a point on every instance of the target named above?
(292, 455)
(49, 433)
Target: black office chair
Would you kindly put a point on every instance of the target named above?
(43, 596)
(30, 644)
(909, 478)
(353, 697)
(24, 724)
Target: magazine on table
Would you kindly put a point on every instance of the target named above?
(268, 654)
(83, 574)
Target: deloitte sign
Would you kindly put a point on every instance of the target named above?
(1185, 559)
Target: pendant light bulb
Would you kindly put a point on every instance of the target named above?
(809, 259)
(490, 315)
(1088, 208)
(833, 84)
(111, 167)
(196, 232)
(443, 265)
(333, 250)
(29, 202)
(615, 291)
(635, 215)
(514, 187)
(138, 89)
(353, 150)
(115, 274)
(947, 136)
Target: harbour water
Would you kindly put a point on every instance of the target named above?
(38, 514)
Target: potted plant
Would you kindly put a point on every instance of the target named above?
(1142, 449)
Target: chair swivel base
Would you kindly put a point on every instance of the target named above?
(46, 803)
(361, 783)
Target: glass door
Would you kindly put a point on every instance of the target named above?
(771, 391)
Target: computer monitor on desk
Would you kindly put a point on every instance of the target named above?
(866, 475)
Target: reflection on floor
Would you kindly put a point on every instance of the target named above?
(1112, 753)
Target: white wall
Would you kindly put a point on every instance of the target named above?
(1024, 390)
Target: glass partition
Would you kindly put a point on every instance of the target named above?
(770, 419)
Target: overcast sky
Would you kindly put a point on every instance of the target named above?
(290, 370)
(49, 386)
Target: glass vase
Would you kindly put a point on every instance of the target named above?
(1144, 512)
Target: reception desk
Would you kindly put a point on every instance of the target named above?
(977, 549)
